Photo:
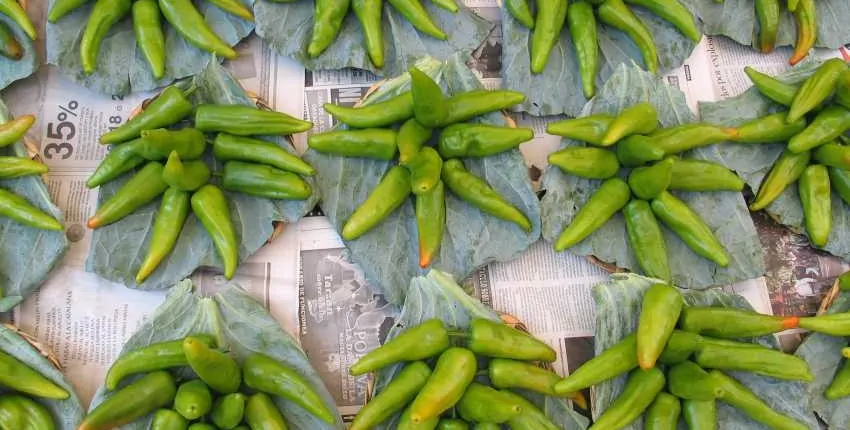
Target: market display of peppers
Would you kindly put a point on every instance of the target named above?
(805, 17)
(250, 166)
(20, 388)
(227, 394)
(9, 46)
(424, 170)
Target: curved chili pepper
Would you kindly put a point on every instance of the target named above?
(266, 374)
(771, 87)
(663, 413)
(614, 361)
(235, 8)
(228, 410)
(640, 390)
(840, 385)
(785, 171)
(19, 209)
(582, 24)
(453, 373)
(142, 188)
(423, 341)
(262, 413)
(189, 143)
(211, 208)
(382, 114)
(548, 24)
(700, 414)
(17, 376)
(18, 15)
(817, 88)
(616, 14)
(227, 147)
(188, 21)
(478, 193)
(816, 198)
(680, 347)
(586, 162)
(805, 15)
(531, 418)
(758, 360)
(507, 373)
(394, 397)
(590, 129)
(166, 419)
(842, 90)
(689, 381)
(840, 180)
(410, 138)
(377, 143)
(739, 396)
(767, 13)
(641, 118)
(677, 216)
(244, 120)
(448, 5)
(187, 176)
(771, 128)
(676, 14)
(689, 136)
(157, 356)
(827, 126)
(833, 154)
(215, 368)
(480, 140)
(648, 182)
(430, 106)
(470, 104)
(521, 12)
(9, 46)
(430, 223)
(120, 160)
(700, 175)
(19, 412)
(646, 240)
(61, 8)
(327, 21)
(168, 108)
(417, 16)
(659, 312)
(387, 196)
(264, 181)
(732, 323)
(172, 214)
(495, 339)
(15, 167)
(147, 27)
(104, 15)
(149, 393)
(425, 170)
(14, 130)
(637, 150)
(482, 403)
(193, 399)
(606, 201)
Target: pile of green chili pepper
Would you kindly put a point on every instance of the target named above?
(438, 386)
(805, 17)
(146, 16)
(814, 123)
(425, 170)
(645, 197)
(20, 385)
(250, 166)
(581, 21)
(226, 394)
(9, 46)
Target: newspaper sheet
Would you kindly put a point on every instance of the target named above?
(305, 278)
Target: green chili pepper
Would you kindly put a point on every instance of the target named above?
(840, 385)
(406, 423)
(771, 87)
(448, 5)
(215, 368)
(172, 214)
(470, 104)
(616, 14)
(430, 106)
(677, 216)
(815, 195)
(19, 209)
(381, 114)
(228, 410)
(235, 8)
(842, 90)
(480, 140)
(17, 376)
(425, 170)
(659, 312)
(641, 118)
(139, 190)
(739, 396)
(767, 13)
(531, 418)
(166, 419)
(817, 88)
(689, 136)
(15, 167)
(833, 154)
(454, 371)
(410, 138)
(417, 16)
(761, 361)
(369, 12)
(452, 424)
(9, 46)
(430, 223)
(785, 171)
(157, 356)
(387, 196)
(423, 341)
(606, 201)
(700, 175)
(147, 27)
(724, 343)
(482, 403)
(687, 380)
(193, 399)
(188, 176)
(244, 120)
(648, 182)
(262, 413)
(393, 398)
(521, 12)
(582, 24)
(327, 21)
(266, 374)
(168, 108)
(805, 15)
(264, 181)
(18, 15)
(700, 414)
(61, 8)
(640, 390)
(680, 347)
(586, 162)
(498, 340)
(12, 131)
(149, 393)
(211, 208)
(771, 128)
(19, 412)
(590, 129)
(675, 13)
(732, 323)
(478, 193)
(377, 143)
(189, 23)
(840, 180)
(637, 150)
(104, 15)
(228, 147)
(844, 285)
(548, 24)
(646, 240)
(506, 373)
(614, 361)
(663, 413)
(189, 143)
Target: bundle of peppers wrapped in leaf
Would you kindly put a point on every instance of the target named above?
(805, 15)
(9, 46)
(146, 15)
(251, 166)
(425, 170)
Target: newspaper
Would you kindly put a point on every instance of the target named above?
(304, 276)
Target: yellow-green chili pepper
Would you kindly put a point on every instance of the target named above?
(586, 162)
(418, 17)
(264, 181)
(785, 171)
(480, 140)
(426, 340)
(840, 181)
(425, 170)
(833, 154)
(771, 87)
(188, 176)
(677, 216)
(521, 12)
(120, 160)
(454, 371)
(827, 126)
(663, 413)
(650, 181)
(104, 15)
(641, 118)
(548, 24)
(168, 108)
(381, 114)
(482, 403)
(215, 368)
(640, 390)
(139, 190)
(606, 201)
(228, 147)
(61, 8)
(478, 193)
(767, 12)
(401, 390)
(22, 413)
(16, 12)
(739, 396)
(188, 21)
(430, 223)
(582, 24)
(262, 413)
(646, 240)
(817, 88)
(660, 310)
(193, 399)
(9, 46)
(410, 138)
(167, 226)
(805, 16)
(327, 21)
(590, 129)
(771, 128)
(616, 14)
(387, 196)
(147, 27)
(149, 393)
(815, 195)
(369, 12)
(496, 339)
(211, 208)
